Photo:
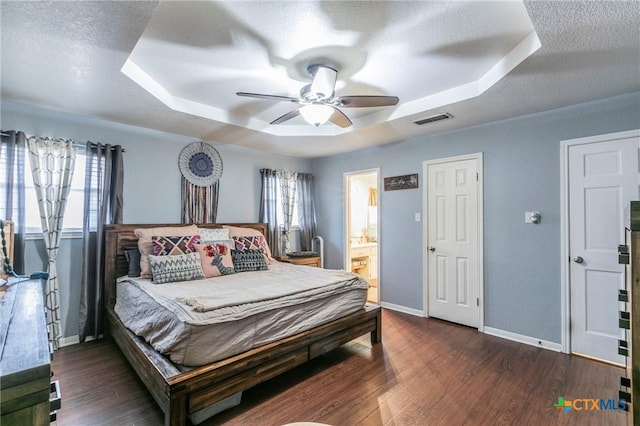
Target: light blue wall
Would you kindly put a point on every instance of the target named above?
(151, 185)
(521, 164)
(521, 173)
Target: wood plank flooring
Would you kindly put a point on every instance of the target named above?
(426, 372)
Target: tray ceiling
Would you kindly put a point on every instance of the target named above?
(175, 66)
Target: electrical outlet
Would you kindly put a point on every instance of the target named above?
(532, 217)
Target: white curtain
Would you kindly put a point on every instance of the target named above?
(288, 183)
(52, 163)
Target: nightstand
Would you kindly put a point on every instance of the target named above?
(306, 261)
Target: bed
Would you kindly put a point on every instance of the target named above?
(182, 393)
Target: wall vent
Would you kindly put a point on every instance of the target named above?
(431, 119)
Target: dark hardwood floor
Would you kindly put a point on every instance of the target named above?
(426, 372)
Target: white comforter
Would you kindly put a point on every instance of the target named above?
(235, 312)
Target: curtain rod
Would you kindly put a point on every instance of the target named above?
(78, 144)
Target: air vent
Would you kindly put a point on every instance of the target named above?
(437, 117)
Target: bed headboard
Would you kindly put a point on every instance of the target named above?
(120, 237)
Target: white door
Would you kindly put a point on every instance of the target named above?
(603, 178)
(453, 254)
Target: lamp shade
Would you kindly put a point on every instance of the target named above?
(316, 114)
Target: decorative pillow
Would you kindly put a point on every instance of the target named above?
(145, 244)
(235, 231)
(133, 259)
(249, 260)
(207, 235)
(248, 243)
(215, 259)
(170, 246)
(181, 267)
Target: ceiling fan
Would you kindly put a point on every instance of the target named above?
(318, 100)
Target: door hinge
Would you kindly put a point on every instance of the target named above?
(477, 177)
(477, 301)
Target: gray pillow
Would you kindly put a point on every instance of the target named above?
(249, 260)
(133, 258)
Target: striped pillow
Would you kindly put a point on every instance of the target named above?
(181, 267)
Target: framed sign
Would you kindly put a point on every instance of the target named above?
(401, 182)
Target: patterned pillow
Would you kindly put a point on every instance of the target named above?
(146, 246)
(215, 259)
(207, 235)
(171, 246)
(248, 243)
(236, 231)
(249, 260)
(182, 267)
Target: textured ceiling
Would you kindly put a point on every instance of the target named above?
(479, 61)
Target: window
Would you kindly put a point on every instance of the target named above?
(73, 216)
(280, 212)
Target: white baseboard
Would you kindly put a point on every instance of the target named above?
(403, 309)
(73, 340)
(520, 338)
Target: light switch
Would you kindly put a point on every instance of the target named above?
(417, 217)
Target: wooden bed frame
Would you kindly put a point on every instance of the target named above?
(181, 394)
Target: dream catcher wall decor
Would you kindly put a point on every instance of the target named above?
(201, 167)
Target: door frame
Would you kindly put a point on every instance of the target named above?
(478, 156)
(565, 279)
(347, 217)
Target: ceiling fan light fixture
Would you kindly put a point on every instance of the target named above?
(316, 114)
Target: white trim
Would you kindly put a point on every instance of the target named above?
(403, 309)
(33, 236)
(565, 289)
(520, 338)
(68, 341)
(73, 340)
(479, 157)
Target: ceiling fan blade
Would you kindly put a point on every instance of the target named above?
(287, 116)
(367, 101)
(268, 97)
(339, 118)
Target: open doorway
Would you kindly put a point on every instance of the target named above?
(361, 227)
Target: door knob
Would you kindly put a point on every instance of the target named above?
(432, 248)
(578, 259)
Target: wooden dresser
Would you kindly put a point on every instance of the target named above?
(25, 371)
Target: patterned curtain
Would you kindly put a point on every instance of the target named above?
(269, 208)
(12, 195)
(306, 210)
(52, 163)
(288, 183)
(104, 178)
